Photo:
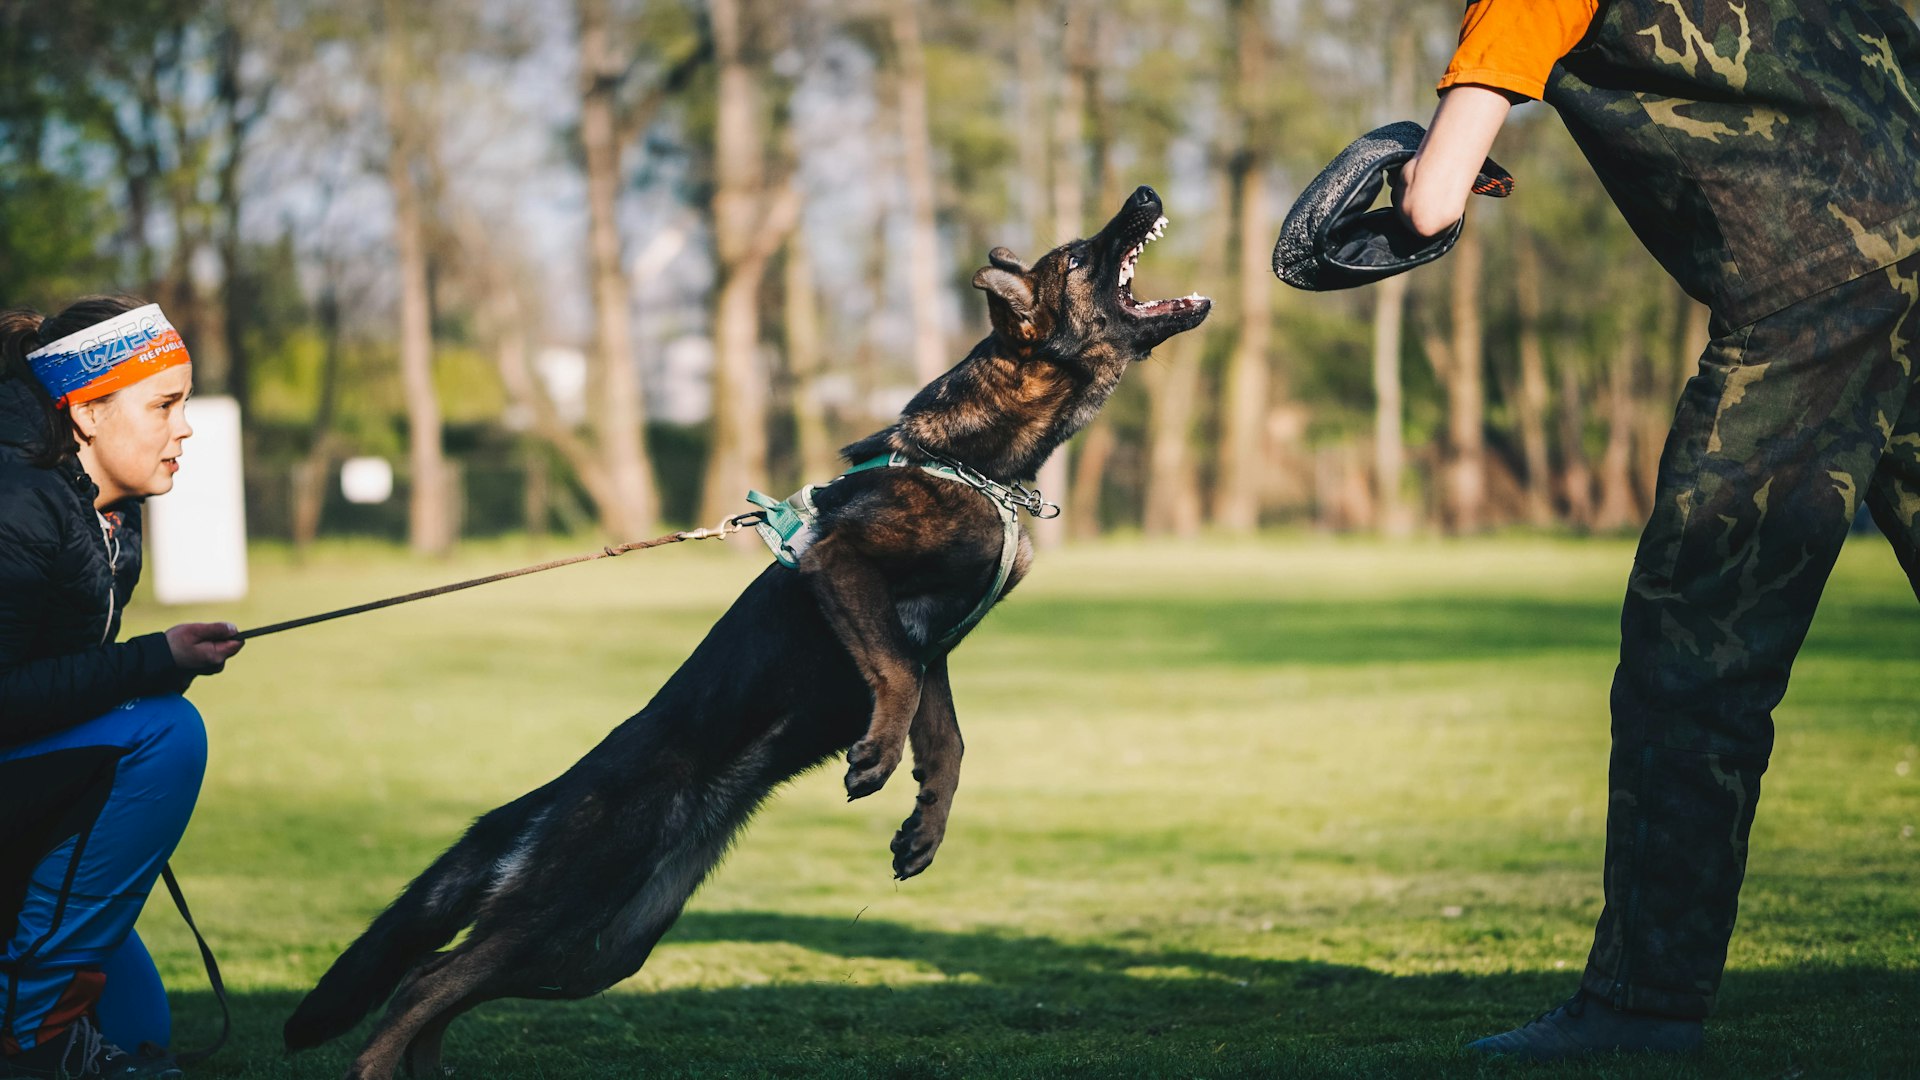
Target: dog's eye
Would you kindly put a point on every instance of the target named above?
(1073, 262)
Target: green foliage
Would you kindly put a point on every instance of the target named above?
(53, 236)
(969, 121)
(286, 378)
(468, 385)
(265, 285)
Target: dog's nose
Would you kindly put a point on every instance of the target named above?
(1145, 196)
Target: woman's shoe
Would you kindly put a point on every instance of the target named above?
(82, 1054)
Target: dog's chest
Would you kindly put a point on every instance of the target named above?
(930, 616)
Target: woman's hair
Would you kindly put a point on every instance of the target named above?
(23, 330)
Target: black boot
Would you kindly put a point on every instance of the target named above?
(81, 1054)
(1586, 1025)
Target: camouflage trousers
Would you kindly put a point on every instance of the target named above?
(1792, 420)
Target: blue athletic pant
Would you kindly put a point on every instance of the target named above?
(91, 815)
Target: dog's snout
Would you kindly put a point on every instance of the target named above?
(1145, 196)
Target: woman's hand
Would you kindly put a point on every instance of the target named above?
(203, 648)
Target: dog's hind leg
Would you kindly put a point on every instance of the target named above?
(857, 603)
(937, 748)
(442, 986)
(422, 1060)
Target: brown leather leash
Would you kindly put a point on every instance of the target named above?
(725, 528)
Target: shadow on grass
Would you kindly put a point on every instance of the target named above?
(994, 1005)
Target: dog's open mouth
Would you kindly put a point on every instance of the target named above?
(1150, 308)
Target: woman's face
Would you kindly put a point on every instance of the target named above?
(130, 441)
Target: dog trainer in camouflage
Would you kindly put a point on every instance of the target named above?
(1768, 155)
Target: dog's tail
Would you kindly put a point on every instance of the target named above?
(436, 906)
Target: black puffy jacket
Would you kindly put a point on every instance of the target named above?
(64, 578)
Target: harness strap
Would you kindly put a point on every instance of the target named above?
(787, 519)
(194, 1057)
(1009, 551)
(783, 520)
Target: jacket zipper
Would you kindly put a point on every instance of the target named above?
(112, 543)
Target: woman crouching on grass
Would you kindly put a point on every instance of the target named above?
(100, 756)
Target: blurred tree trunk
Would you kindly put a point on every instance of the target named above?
(1098, 442)
(506, 325)
(1389, 323)
(1687, 339)
(188, 144)
(815, 441)
(1617, 506)
(1173, 506)
(1069, 124)
(1531, 401)
(923, 263)
(429, 509)
(751, 220)
(1466, 393)
(1576, 476)
(1029, 107)
(1389, 410)
(1172, 496)
(523, 388)
(241, 109)
(1695, 337)
(136, 163)
(1089, 476)
(632, 502)
(1659, 390)
(313, 471)
(1069, 160)
(1242, 462)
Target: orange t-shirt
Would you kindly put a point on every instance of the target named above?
(1512, 44)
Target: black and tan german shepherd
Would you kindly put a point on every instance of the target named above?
(568, 887)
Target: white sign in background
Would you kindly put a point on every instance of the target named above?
(366, 481)
(197, 533)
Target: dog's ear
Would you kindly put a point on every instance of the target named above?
(1005, 259)
(1009, 301)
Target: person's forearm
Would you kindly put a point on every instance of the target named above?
(1434, 185)
(39, 697)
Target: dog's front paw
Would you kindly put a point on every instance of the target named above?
(869, 764)
(919, 837)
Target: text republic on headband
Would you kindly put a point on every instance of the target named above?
(108, 356)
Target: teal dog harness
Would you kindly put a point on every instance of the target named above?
(787, 524)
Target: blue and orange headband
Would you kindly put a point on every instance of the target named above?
(108, 356)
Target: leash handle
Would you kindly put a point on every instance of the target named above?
(194, 1057)
(725, 528)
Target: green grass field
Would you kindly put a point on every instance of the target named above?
(1289, 808)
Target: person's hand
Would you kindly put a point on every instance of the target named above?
(203, 648)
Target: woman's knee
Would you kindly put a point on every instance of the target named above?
(172, 737)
